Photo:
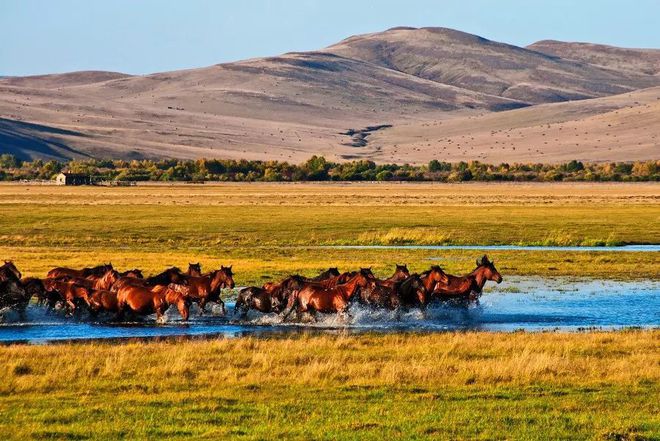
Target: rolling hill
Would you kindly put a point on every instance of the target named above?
(429, 84)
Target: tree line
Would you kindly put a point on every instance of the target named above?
(317, 168)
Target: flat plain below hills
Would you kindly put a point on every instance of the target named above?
(268, 231)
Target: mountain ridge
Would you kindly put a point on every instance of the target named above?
(294, 105)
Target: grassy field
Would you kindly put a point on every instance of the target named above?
(460, 386)
(269, 230)
(599, 385)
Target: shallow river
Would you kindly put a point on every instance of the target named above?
(531, 304)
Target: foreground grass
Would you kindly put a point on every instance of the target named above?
(461, 386)
(270, 230)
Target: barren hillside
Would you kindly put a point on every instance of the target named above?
(299, 104)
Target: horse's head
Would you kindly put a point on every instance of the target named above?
(194, 269)
(488, 269)
(401, 272)
(437, 274)
(227, 276)
(364, 277)
(10, 267)
(333, 272)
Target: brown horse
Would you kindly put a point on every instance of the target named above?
(207, 288)
(103, 300)
(71, 293)
(106, 281)
(144, 301)
(315, 298)
(194, 269)
(97, 271)
(415, 291)
(8, 271)
(468, 287)
(256, 298)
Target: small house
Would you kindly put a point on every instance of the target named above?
(66, 178)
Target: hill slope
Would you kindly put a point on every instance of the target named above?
(299, 104)
(618, 128)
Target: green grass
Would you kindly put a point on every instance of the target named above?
(268, 231)
(459, 386)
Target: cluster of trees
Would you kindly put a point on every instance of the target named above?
(317, 168)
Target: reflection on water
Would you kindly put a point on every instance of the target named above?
(518, 303)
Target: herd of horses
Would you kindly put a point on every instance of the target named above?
(104, 289)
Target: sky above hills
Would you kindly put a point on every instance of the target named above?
(147, 36)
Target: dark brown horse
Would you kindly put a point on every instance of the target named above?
(380, 295)
(384, 293)
(281, 291)
(327, 274)
(8, 271)
(135, 273)
(35, 288)
(15, 295)
(144, 300)
(194, 269)
(315, 298)
(97, 271)
(415, 291)
(256, 298)
(468, 287)
(170, 275)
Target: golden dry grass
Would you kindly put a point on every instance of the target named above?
(465, 385)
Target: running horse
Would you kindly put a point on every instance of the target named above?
(207, 288)
(383, 293)
(468, 287)
(315, 298)
(416, 290)
(148, 300)
(256, 298)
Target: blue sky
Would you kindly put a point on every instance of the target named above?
(143, 36)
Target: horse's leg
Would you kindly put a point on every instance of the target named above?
(71, 306)
(202, 305)
(293, 302)
(183, 309)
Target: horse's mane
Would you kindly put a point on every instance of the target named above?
(433, 268)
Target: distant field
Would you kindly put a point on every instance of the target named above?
(446, 386)
(268, 230)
